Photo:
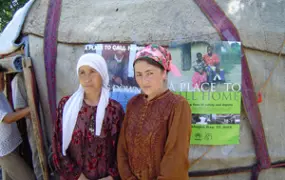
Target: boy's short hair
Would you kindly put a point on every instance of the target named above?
(3, 69)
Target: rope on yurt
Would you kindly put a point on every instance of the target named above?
(50, 56)
(274, 67)
(196, 161)
(50, 52)
(228, 31)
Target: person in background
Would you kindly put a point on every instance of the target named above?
(118, 68)
(87, 126)
(200, 75)
(155, 136)
(13, 166)
(20, 102)
(212, 60)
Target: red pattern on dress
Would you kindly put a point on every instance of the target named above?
(94, 156)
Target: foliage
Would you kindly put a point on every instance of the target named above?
(8, 9)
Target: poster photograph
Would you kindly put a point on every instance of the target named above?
(119, 59)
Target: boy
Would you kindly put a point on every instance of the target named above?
(13, 166)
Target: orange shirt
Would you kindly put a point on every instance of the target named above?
(211, 60)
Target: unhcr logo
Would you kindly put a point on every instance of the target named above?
(198, 136)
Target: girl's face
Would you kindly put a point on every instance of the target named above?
(89, 79)
(149, 78)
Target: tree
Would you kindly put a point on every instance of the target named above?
(8, 9)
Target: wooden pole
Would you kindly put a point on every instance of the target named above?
(31, 93)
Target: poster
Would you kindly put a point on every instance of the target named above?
(210, 81)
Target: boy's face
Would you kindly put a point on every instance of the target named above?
(2, 82)
(199, 56)
(119, 53)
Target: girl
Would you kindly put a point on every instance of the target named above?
(155, 136)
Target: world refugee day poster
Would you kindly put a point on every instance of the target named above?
(210, 80)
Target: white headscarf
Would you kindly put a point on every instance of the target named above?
(74, 103)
